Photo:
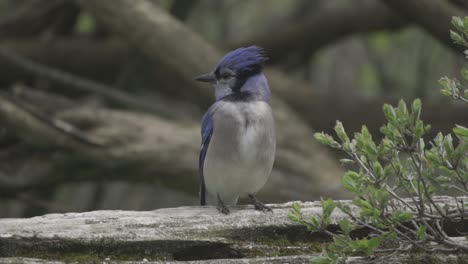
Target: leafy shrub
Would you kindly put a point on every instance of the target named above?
(395, 181)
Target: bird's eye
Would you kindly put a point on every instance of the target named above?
(225, 75)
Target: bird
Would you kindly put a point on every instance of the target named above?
(238, 131)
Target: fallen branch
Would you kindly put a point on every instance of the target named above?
(179, 234)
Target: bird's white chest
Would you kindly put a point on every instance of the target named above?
(241, 152)
(254, 130)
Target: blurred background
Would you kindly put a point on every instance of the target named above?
(99, 110)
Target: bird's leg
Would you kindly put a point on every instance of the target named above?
(221, 207)
(259, 205)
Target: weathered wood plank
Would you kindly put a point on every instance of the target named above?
(172, 234)
(400, 259)
(182, 233)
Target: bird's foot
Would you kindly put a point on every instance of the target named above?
(259, 205)
(221, 207)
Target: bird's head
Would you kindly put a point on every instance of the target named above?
(235, 69)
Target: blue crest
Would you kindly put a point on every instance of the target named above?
(246, 61)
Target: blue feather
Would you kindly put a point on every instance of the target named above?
(206, 132)
(246, 61)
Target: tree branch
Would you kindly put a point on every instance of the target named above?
(322, 27)
(75, 55)
(433, 16)
(79, 83)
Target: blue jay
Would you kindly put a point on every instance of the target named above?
(238, 131)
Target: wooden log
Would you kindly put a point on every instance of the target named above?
(186, 234)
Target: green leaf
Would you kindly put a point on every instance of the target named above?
(365, 133)
(296, 207)
(340, 132)
(369, 212)
(421, 232)
(464, 73)
(391, 236)
(460, 153)
(460, 131)
(403, 216)
(378, 169)
(448, 145)
(314, 224)
(465, 23)
(419, 129)
(344, 208)
(459, 39)
(346, 226)
(341, 241)
(366, 144)
(458, 23)
(326, 139)
(461, 25)
(293, 217)
(362, 203)
(402, 110)
(347, 161)
(295, 213)
(328, 206)
(366, 246)
(349, 181)
(373, 245)
(383, 196)
(443, 179)
(389, 112)
(445, 82)
(416, 108)
(322, 260)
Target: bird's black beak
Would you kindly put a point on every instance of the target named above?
(208, 77)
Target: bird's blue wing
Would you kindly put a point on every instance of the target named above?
(206, 132)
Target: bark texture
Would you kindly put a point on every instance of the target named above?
(184, 234)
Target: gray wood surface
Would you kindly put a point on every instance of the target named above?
(195, 234)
